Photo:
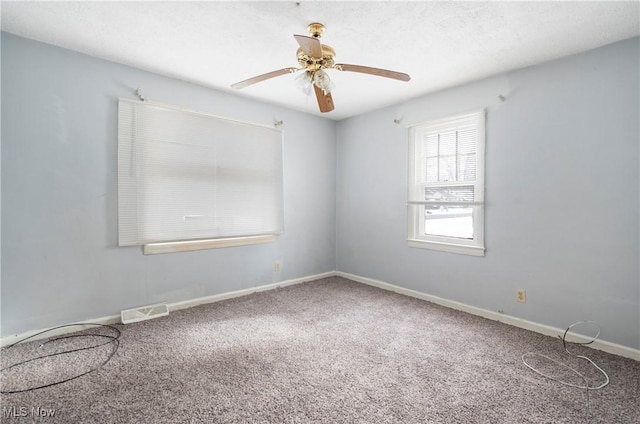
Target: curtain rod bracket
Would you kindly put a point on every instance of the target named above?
(139, 94)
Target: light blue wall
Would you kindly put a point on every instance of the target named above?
(60, 260)
(562, 189)
(562, 215)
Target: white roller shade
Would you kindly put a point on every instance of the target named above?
(187, 175)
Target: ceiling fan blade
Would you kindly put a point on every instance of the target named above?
(373, 71)
(250, 81)
(310, 46)
(325, 101)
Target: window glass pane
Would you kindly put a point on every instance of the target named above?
(467, 140)
(449, 221)
(467, 167)
(431, 145)
(447, 168)
(448, 143)
(432, 170)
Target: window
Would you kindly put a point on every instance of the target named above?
(188, 180)
(446, 184)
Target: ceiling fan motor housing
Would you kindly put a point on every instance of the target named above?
(327, 60)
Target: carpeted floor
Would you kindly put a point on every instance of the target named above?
(327, 351)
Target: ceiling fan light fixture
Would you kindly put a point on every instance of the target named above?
(322, 81)
(304, 82)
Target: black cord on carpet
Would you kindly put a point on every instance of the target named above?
(111, 339)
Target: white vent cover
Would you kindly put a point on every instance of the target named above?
(144, 313)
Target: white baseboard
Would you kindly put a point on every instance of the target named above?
(605, 346)
(116, 319)
(54, 331)
(230, 295)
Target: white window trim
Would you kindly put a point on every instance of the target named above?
(447, 247)
(415, 221)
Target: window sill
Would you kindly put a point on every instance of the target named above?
(447, 247)
(186, 246)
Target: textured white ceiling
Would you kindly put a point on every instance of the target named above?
(440, 44)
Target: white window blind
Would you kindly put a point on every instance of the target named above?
(446, 184)
(186, 175)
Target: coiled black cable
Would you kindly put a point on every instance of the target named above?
(112, 339)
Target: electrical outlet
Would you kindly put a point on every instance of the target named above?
(521, 296)
(277, 266)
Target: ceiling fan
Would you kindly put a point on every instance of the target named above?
(314, 58)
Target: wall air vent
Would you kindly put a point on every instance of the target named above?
(144, 313)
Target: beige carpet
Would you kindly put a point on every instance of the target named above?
(327, 351)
